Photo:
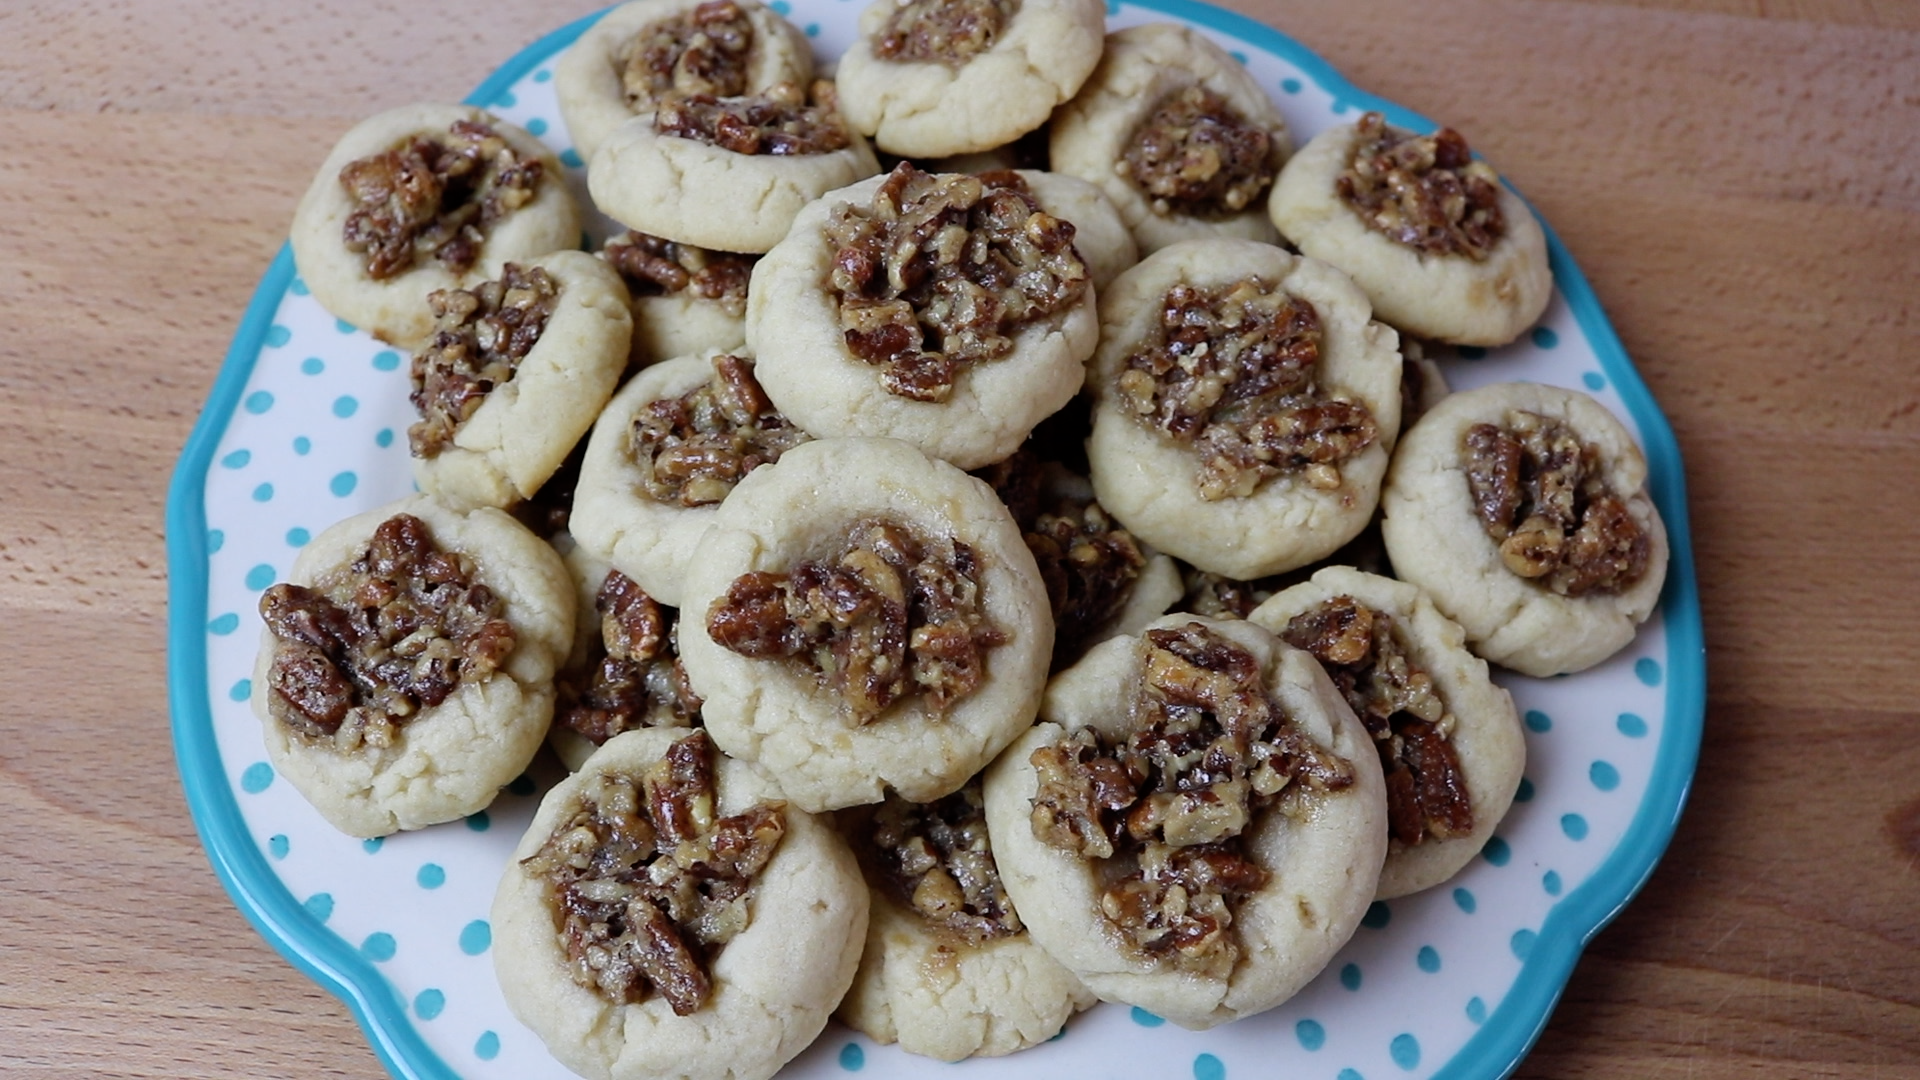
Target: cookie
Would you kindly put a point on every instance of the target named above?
(779, 950)
(1442, 246)
(421, 198)
(406, 674)
(867, 323)
(1200, 897)
(1449, 740)
(909, 578)
(1522, 510)
(513, 376)
(929, 78)
(686, 300)
(1251, 438)
(1177, 134)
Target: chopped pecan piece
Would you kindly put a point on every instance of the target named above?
(949, 32)
(654, 266)
(701, 51)
(1425, 192)
(480, 336)
(1196, 155)
(936, 859)
(691, 450)
(778, 122)
(434, 196)
(633, 677)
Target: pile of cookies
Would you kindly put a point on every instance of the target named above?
(1044, 567)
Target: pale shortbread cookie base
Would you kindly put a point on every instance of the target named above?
(1450, 298)
(1486, 734)
(1324, 863)
(1101, 238)
(395, 310)
(774, 985)
(683, 324)
(926, 109)
(452, 758)
(528, 425)
(696, 193)
(1437, 541)
(587, 78)
(777, 716)
(1148, 481)
(939, 996)
(793, 327)
(1141, 67)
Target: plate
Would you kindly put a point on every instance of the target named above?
(307, 423)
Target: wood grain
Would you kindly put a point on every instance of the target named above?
(1740, 179)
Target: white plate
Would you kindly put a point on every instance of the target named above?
(307, 424)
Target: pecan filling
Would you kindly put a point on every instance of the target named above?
(653, 266)
(936, 859)
(366, 648)
(949, 32)
(1233, 371)
(1542, 495)
(648, 884)
(633, 678)
(1166, 812)
(434, 197)
(1426, 192)
(778, 122)
(703, 51)
(888, 613)
(691, 450)
(940, 271)
(480, 335)
(1403, 711)
(1220, 597)
(1196, 155)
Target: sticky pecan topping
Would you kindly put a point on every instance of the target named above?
(654, 266)
(1396, 699)
(779, 122)
(949, 32)
(701, 51)
(935, 858)
(633, 677)
(649, 883)
(1234, 371)
(480, 335)
(1220, 597)
(691, 450)
(434, 197)
(1423, 191)
(1542, 495)
(399, 629)
(1168, 809)
(1196, 155)
(887, 614)
(939, 272)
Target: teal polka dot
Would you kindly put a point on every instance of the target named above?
(1522, 943)
(1058, 1035)
(1405, 1050)
(378, 947)
(257, 778)
(1594, 380)
(431, 876)
(278, 846)
(217, 540)
(1377, 917)
(372, 844)
(263, 493)
(1574, 826)
(487, 1046)
(1291, 86)
(506, 100)
(343, 484)
(536, 126)
(1472, 352)
(570, 158)
(478, 821)
(781, 7)
(1464, 900)
(241, 690)
(813, 29)
(298, 537)
(1604, 776)
(343, 326)
(299, 287)
(1497, 852)
(278, 335)
(543, 75)
(1545, 338)
(1350, 976)
(476, 937)
(258, 402)
(522, 785)
(1647, 670)
(1208, 1067)
(1633, 727)
(1539, 721)
(320, 906)
(1311, 1035)
(1476, 1010)
(238, 459)
(312, 365)
(386, 360)
(1428, 959)
(384, 439)
(428, 1003)
(345, 405)
(1524, 792)
(1551, 883)
(301, 445)
(225, 624)
(1350, 1074)
(1145, 1018)
(852, 1058)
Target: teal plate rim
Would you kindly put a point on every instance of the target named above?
(1494, 1051)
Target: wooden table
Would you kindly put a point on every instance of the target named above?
(1739, 178)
